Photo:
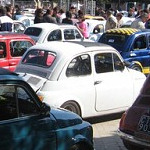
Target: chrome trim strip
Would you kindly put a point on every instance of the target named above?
(132, 139)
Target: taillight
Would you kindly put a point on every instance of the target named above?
(121, 124)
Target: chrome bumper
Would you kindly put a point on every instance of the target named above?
(133, 139)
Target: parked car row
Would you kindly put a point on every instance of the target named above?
(87, 78)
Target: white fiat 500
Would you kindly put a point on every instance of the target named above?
(89, 79)
(47, 32)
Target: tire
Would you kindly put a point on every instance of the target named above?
(130, 146)
(136, 67)
(80, 146)
(72, 106)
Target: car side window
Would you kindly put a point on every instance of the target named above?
(139, 43)
(79, 66)
(8, 107)
(2, 50)
(118, 64)
(15, 102)
(26, 104)
(18, 48)
(103, 62)
(78, 35)
(55, 36)
(98, 29)
(69, 34)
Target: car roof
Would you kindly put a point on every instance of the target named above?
(72, 47)
(126, 31)
(45, 25)
(12, 35)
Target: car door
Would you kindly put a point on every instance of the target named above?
(113, 83)
(17, 49)
(4, 55)
(21, 124)
(140, 51)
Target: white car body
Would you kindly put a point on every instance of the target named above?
(95, 28)
(67, 82)
(45, 32)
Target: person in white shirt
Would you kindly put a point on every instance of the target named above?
(5, 21)
(139, 23)
(111, 22)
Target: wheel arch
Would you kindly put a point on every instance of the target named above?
(133, 63)
(76, 102)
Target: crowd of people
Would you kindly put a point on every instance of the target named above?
(114, 19)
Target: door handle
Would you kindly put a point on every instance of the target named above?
(97, 82)
(12, 63)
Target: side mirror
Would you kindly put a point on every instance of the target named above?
(45, 109)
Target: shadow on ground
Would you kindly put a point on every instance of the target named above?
(104, 118)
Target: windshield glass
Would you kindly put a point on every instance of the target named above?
(39, 58)
(115, 40)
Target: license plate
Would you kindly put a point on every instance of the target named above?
(144, 124)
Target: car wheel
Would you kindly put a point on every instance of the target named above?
(72, 106)
(130, 146)
(80, 146)
(136, 67)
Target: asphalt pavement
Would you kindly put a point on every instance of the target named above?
(105, 132)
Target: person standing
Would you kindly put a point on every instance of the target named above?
(119, 20)
(68, 20)
(38, 16)
(82, 26)
(48, 16)
(5, 21)
(111, 21)
(139, 23)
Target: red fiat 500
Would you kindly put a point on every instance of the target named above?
(12, 47)
(134, 126)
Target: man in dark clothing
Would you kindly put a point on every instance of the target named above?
(38, 16)
(48, 17)
(68, 20)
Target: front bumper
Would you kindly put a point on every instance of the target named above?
(134, 140)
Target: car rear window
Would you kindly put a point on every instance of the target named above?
(39, 58)
(33, 31)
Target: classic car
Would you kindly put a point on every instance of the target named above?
(134, 128)
(86, 78)
(12, 47)
(26, 123)
(133, 45)
(45, 32)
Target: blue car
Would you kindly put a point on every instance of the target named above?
(26, 123)
(133, 45)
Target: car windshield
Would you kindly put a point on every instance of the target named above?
(115, 40)
(39, 58)
(33, 31)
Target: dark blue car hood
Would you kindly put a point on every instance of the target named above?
(65, 118)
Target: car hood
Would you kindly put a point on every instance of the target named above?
(35, 82)
(65, 118)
